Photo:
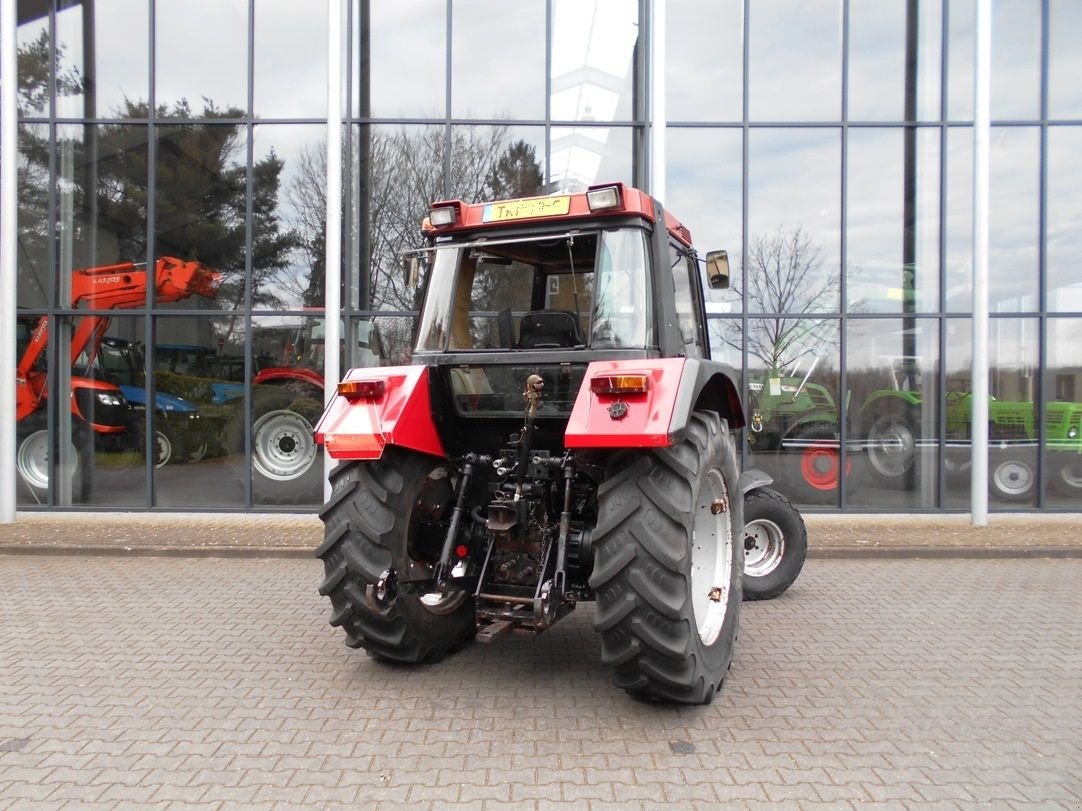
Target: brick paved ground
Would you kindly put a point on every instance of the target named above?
(164, 682)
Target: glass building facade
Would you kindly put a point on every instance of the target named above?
(171, 224)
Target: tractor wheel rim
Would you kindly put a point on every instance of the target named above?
(891, 448)
(764, 547)
(282, 445)
(1013, 478)
(163, 449)
(819, 466)
(32, 460)
(711, 557)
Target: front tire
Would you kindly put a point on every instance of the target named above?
(775, 544)
(667, 570)
(391, 514)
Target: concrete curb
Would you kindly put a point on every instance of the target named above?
(298, 535)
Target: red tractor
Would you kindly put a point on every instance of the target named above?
(97, 406)
(561, 435)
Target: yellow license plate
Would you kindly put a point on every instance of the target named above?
(524, 209)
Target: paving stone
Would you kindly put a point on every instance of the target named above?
(137, 682)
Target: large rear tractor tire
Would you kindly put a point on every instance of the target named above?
(667, 567)
(392, 514)
(775, 544)
(1065, 473)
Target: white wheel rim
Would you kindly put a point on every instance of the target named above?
(711, 557)
(764, 547)
(283, 447)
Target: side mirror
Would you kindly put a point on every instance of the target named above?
(412, 266)
(717, 270)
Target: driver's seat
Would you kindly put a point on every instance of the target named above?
(549, 329)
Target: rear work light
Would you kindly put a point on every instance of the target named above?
(441, 216)
(604, 198)
(620, 384)
(362, 389)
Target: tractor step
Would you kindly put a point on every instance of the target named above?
(487, 633)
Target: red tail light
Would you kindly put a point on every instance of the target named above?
(362, 389)
(620, 384)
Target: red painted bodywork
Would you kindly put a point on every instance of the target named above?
(288, 374)
(647, 423)
(360, 429)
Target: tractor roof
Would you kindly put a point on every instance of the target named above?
(605, 200)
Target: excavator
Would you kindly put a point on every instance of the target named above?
(97, 406)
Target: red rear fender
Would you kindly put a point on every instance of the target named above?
(400, 414)
(656, 417)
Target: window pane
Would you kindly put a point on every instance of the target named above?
(1064, 216)
(1014, 224)
(593, 59)
(117, 69)
(289, 220)
(290, 59)
(794, 418)
(706, 197)
(704, 61)
(496, 162)
(1063, 404)
(400, 82)
(892, 368)
(1064, 59)
(877, 51)
(201, 362)
(1016, 59)
(795, 71)
(35, 232)
(793, 221)
(498, 60)
(217, 27)
(111, 221)
(401, 172)
(120, 459)
(201, 201)
(33, 42)
(891, 268)
(961, 53)
(878, 40)
(1012, 452)
(1013, 219)
(287, 401)
(585, 155)
(958, 272)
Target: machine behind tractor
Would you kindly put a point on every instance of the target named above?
(560, 436)
(97, 406)
(892, 420)
(797, 422)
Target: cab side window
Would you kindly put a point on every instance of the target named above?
(683, 270)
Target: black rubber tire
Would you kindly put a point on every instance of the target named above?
(652, 507)
(775, 544)
(372, 523)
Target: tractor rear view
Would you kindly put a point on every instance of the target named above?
(560, 436)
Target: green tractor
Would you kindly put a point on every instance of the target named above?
(892, 431)
(798, 419)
